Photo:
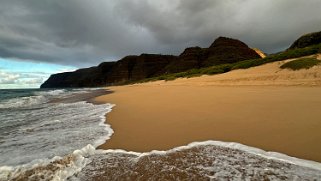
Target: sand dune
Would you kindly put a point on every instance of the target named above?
(268, 74)
(265, 107)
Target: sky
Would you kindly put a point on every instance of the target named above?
(38, 38)
(25, 74)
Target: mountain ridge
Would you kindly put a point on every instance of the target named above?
(134, 68)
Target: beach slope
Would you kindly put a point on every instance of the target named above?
(265, 107)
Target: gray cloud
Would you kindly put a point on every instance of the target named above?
(83, 33)
(8, 78)
(33, 81)
(21, 79)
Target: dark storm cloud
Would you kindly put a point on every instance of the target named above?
(75, 32)
(267, 24)
(82, 32)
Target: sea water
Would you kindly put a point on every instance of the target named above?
(35, 129)
(45, 137)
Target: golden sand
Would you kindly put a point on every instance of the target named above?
(252, 107)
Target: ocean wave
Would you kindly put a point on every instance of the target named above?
(55, 129)
(22, 102)
(42, 96)
(37, 97)
(51, 92)
(33, 130)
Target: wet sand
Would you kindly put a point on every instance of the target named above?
(164, 115)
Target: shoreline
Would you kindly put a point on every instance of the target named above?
(209, 159)
(143, 127)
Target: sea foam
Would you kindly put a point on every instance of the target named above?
(37, 134)
(209, 160)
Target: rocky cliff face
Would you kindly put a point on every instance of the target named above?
(133, 68)
(223, 50)
(130, 68)
(191, 58)
(88, 77)
(307, 40)
(227, 50)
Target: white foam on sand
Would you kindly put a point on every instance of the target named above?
(238, 146)
(71, 166)
(198, 160)
(57, 168)
(252, 150)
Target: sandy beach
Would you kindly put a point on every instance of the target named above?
(264, 107)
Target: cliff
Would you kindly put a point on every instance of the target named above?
(132, 68)
(307, 40)
(223, 50)
(226, 50)
(88, 77)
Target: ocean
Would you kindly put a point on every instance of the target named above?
(38, 125)
(53, 135)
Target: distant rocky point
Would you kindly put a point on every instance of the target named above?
(133, 68)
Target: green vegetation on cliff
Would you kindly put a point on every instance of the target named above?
(218, 69)
(307, 40)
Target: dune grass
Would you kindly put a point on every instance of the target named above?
(302, 63)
